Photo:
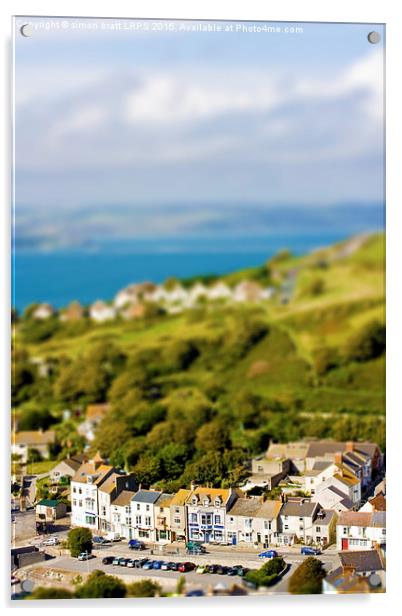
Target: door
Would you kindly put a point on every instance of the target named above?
(234, 540)
(345, 544)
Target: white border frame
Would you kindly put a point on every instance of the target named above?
(370, 11)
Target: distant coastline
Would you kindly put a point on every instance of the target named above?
(59, 277)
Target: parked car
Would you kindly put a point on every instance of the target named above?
(174, 566)
(185, 567)
(268, 554)
(165, 566)
(201, 569)
(157, 564)
(221, 570)
(193, 547)
(135, 544)
(148, 565)
(232, 571)
(85, 556)
(212, 568)
(123, 562)
(99, 540)
(241, 571)
(197, 592)
(116, 560)
(140, 563)
(308, 551)
(51, 541)
(107, 560)
(130, 563)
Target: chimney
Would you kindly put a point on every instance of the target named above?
(338, 458)
(349, 446)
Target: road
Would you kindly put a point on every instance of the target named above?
(169, 578)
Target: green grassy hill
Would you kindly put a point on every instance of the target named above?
(193, 395)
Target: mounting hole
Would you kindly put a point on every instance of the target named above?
(373, 37)
(26, 30)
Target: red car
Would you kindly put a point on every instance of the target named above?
(184, 567)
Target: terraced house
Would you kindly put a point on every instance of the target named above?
(251, 520)
(207, 512)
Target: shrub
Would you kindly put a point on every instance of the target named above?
(307, 579)
(100, 585)
(79, 540)
(367, 344)
(144, 588)
(50, 593)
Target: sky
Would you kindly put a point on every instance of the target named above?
(138, 131)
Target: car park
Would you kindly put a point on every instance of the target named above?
(268, 554)
(309, 551)
(107, 560)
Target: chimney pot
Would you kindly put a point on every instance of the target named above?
(349, 446)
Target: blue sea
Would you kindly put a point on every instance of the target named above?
(58, 277)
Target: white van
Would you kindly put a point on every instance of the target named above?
(113, 537)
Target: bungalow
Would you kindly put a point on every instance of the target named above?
(101, 312)
(178, 515)
(206, 513)
(23, 443)
(247, 291)
(356, 530)
(43, 311)
(219, 291)
(162, 518)
(48, 511)
(74, 312)
(143, 515)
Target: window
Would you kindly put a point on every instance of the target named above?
(176, 520)
(74, 502)
(79, 490)
(267, 524)
(384, 531)
(147, 508)
(217, 519)
(206, 502)
(248, 523)
(193, 518)
(147, 521)
(318, 529)
(286, 527)
(103, 511)
(206, 518)
(260, 469)
(128, 521)
(286, 517)
(74, 489)
(318, 538)
(138, 506)
(161, 509)
(177, 510)
(301, 527)
(300, 519)
(231, 520)
(128, 509)
(80, 503)
(138, 519)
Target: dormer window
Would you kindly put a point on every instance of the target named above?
(217, 502)
(194, 500)
(206, 502)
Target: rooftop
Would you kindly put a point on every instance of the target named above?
(362, 560)
(299, 508)
(34, 437)
(124, 498)
(362, 518)
(146, 496)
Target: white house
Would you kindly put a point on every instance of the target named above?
(196, 292)
(121, 519)
(220, 291)
(143, 514)
(356, 530)
(101, 312)
(26, 441)
(311, 480)
(126, 296)
(43, 311)
(206, 513)
(251, 520)
(116, 482)
(331, 497)
(297, 519)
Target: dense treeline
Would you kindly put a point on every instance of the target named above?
(197, 407)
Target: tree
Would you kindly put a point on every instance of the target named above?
(99, 585)
(144, 588)
(212, 436)
(50, 593)
(267, 574)
(307, 579)
(79, 540)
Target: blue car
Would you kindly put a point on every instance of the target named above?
(148, 565)
(307, 551)
(268, 554)
(135, 544)
(157, 564)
